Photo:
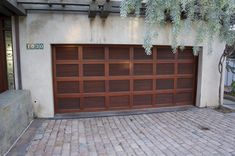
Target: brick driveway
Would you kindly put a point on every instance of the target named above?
(192, 132)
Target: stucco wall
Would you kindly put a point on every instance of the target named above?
(55, 28)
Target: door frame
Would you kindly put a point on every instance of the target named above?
(3, 65)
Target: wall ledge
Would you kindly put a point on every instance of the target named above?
(9, 97)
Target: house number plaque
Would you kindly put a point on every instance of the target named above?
(35, 46)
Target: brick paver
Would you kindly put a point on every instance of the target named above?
(192, 132)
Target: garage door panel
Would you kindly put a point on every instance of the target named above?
(162, 84)
(93, 69)
(185, 68)
(94, 86)
(185, 83)
(141, 85)
(139, 54)
(164, 98)
(93, 53)
(94, 102)
(67, 53)
(67, 70)
(186, 54)
(165, 69)
(165, 54)
(184, 97)
(102, 77)
(68, 87)
(68, 103)
(119, 69)
(142, 100)
(119, 101)
(119, 85)
(118, 53)
(143, 69)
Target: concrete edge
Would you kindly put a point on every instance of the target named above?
(120, 112)
(22, 133)
(7, 100)
(229, 107)
(229, 97)
(20, 147)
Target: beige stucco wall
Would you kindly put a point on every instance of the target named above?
(55, 28)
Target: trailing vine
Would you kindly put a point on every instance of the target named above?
(211, 18)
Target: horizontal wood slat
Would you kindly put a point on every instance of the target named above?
(90, 78)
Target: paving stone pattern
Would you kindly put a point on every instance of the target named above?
(184, 133)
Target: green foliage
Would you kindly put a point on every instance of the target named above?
(211, 17)
(233, 88)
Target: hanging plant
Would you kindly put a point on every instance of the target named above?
(212, 18)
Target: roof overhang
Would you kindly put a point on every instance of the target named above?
(103, 7)
(11, 8)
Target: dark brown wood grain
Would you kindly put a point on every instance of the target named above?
(117, 77)
(3, 68)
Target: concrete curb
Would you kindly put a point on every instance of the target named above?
(120, 113)
(229, 97)
(20, 148)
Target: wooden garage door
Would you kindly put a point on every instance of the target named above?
(98, 78)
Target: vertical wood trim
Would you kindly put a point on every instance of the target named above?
(155, 74)
(54, 79)
(3, 66)
(131, 65)
(106, 66)
(175, 77)
(81, 82)
(195, 72)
